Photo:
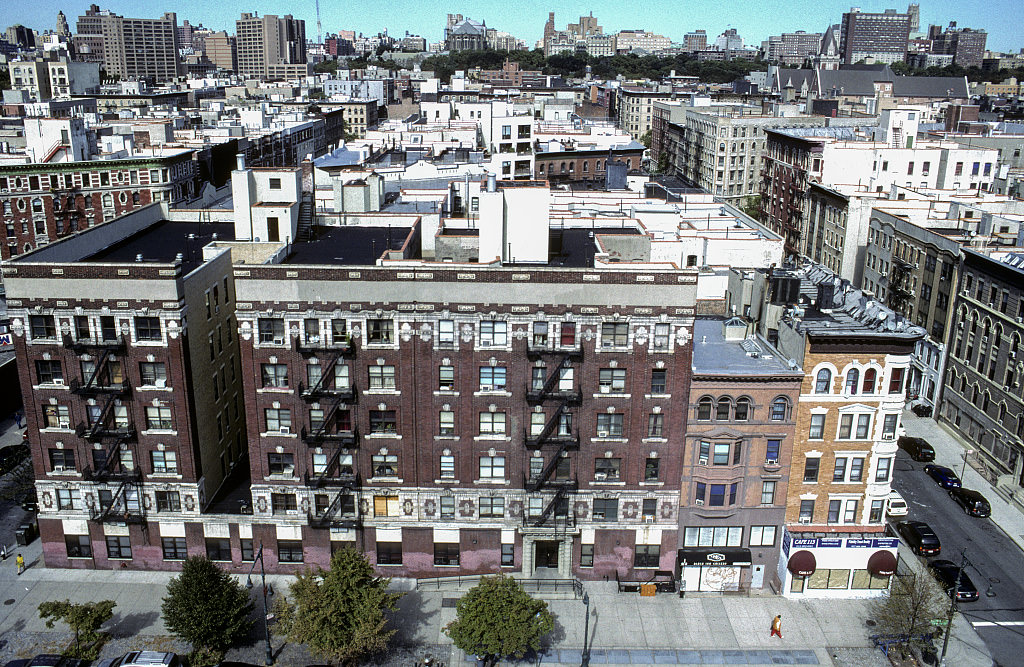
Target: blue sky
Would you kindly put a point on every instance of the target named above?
(1003, 19)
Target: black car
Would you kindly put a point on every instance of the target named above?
(29, 502)
(49, 660)
(11, 457)
(919, 537)
(945, 571)
(918, 448)
(973, 502)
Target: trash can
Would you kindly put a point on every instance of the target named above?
(25, 534)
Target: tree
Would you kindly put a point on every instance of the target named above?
(752, 206)
(645, 139)
(207, 607)
(913, 601)
(497, 618)
(338, 613)
(84, 620)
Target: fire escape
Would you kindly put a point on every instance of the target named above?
(900, 292)
(555, 438)
(338, 438)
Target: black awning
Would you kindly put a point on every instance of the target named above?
(882, 564)
(802, 563)
(712, 556)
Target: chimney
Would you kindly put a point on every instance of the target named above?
(492, 183)
(240, 161)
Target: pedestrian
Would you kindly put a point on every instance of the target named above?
(3, 552)
(20, 560)
(17, 418)
(777, 626)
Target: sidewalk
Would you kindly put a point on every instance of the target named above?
(949, 451)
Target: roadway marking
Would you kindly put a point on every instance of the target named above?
(988, 624)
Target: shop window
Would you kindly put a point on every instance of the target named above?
(647, 555)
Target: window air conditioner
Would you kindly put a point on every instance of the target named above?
(703, 461)
(771, 462)
(648, 519)
(600, 476)
(486, 387)
(58, 468)
(279, 341)
(602, 434)
(699, 501)
(59, 381)
(285, 429)
(805, 519)
(605, 389)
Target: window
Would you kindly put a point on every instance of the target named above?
(383, 421)
(42, 326)
(780, 407)
(492, 507)
(704, 409)
(661, 336)
(279, 420)
(852, 380)
(508, 555)
(609, 425)
(651, 469)
(723, 409)
(834, 507)
(742, 411)
(281, 464)
(586, 555)
(62, 459)
(246, 548)
(889, 427)
(612, 380)
(49, 372)
(385, 465)
(68, 499)
(446, 554)
(147, 328)
(492, 467)
(882, 471)
(896, 381)
(540, 334)
(446, 378)
(492, 378)
(772, 448)
(658, 381)
(153, 373)
(447, 507)
(382, 377)
(56, 416)
(218, 548)
(492, 423)
(119, 547)
(817, 430)
(850, 511)
(493, 333)
(282, 503)
(389, 553)
(839, 472)
(647, 555)
(271, 330)
(717, 496)
(339, 331)
(811, 466)
(606, 509)
(275, 184)
(823, 382)
(762, 536)
(568, 334)
(806, 511)
(614, 334)
(877, 507)
(78, 546)
(447, 466)
(856, 469)
(768, 492)
(718, 536)
(174, 548)
(446, 333)
(446, 422)
(607, 469)
(164, 462)
(386, 506)
(108, 328)
(289, 551)
(168, 501)
(380, 332)
(274, 375)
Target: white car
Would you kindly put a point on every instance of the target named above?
(896, 506)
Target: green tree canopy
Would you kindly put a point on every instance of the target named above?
(913, 601)
(84, 619)
(338, 613)
(206, 606)
(497, 618)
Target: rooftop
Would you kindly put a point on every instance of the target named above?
(715, 354)
(163, 241)
(578, 246)
(356, 246)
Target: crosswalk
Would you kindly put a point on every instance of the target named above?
(989, 624)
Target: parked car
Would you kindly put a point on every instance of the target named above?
(49, 660)
(973, 502)
(11, 457)
(918, 448)
(945, 571)
(143, 659)
(920, 537)
(29, 502)
(896, 506)
(944, 476)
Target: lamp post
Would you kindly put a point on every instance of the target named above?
(266, 592)
(585, 659)
(952, 605)
(967, 452)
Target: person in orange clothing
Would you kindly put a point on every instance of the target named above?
(777, 626)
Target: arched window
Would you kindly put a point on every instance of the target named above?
(586, 166)
(722, 413)
(780, 408)
(823, 384)
(108, 201)
(870, 376)
(597, 166)
(852, 379)
(704, 409)
(563, 167)
(742, 412)
(37, 205)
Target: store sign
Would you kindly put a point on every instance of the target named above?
(837, 542)
(6, 340)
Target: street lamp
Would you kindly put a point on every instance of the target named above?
(585, 660)
(266, 592)
(967, 452)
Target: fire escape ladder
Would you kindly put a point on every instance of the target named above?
(549, 468)
(561, 495)
(96, 428)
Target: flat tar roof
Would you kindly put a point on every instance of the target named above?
(164, 240)
(361, 246)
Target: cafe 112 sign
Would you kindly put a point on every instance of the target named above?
(789, 542)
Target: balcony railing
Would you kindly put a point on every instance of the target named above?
(340, 480)
(343, 394)
(92, 388)
(116, 472)
(319, 436)
(312, 345)
(81, 344)
(99, 430)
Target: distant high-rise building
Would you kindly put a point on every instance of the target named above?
(22, 37)
(695, 41)
(271, 46)
(130, 48)
(881, 38)
(914, 12)
(220, 50)
(63, 29)
(793, 48)
(965, 45)
(729, 40)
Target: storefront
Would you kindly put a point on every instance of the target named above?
(838, 567)
(714, 569)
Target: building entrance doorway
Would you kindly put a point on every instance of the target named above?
(546, 554)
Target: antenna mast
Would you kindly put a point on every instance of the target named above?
(319, 29)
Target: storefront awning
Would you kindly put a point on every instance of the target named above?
(732, 556)
(802, 563)
(882, 564)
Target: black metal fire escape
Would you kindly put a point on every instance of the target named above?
(900, 293)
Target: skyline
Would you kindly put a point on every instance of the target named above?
(527, 22)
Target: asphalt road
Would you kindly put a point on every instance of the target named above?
(994, 559)
(11, 514)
